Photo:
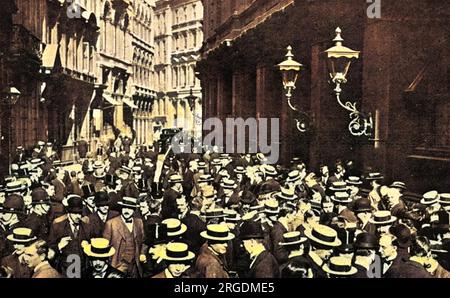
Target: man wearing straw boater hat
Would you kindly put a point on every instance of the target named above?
(323, 240)
(178, 259)
(210, 261)
(339, 267)
(383, 220)
(442, 227)
(341, 201)
(20, 239)
(263, 263)
(99, 252)
(126, 235)
(430, 209)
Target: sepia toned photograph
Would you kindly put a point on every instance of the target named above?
(244, 141)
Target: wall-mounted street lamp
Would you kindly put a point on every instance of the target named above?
(191, 100)
(339, 60)
(290, 70)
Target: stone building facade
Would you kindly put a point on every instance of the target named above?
(84, 70)
(178, 39)
(402, 78)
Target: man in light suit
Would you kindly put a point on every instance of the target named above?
(126, 235)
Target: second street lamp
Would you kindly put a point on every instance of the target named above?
(290, 70)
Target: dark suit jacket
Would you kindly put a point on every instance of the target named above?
(194, 227)
(119, 237)
(61, 228)
(169, 207)
(276, 236)
(209, 265)
(96, 225)
(403, 267)
(265, 266)
(40, 224)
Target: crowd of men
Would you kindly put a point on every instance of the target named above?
(133, 212)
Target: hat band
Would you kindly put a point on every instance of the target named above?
(173, 229)
(177, 254)
(322, 237)
(217, 234)
(291, 239)
(100, 250)
(340, 268)
(22, 237)
(382, 218)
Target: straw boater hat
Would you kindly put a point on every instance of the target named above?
(129, 202)
(340, 266)
(239, 170)
(175, 178)
(323, 235)
(287, 194)
(383, 217)
(292, 238)
(373, 176)
(216, 162)
(430, 198)
(214, 213)
(444, 198)
(228, 184)
(174, 227)
(21, 235)
(177, 252)
(99, 248)
(98, 165)
(217, 232)
(354, 180)
(137, 170)
(271, 207)
(201, 165)
(125, 169)
(293, 176)
(231, 215)
(339, 186)
(205, 178)
(269, 170)
(99, 173)
(341, 197)
(398, 184)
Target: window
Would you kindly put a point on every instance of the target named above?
(194, 12)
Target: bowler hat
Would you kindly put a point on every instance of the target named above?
(74, 204)
(39, 196)
(21, 235)
(251, 230)
(248, 197)
(217, 232)
(271, 207)
(366, 241)
(101, 198)
(111, 180)
(362, 205)
(99, 248)
(402, 234)
(13, 204)
(88, 190)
